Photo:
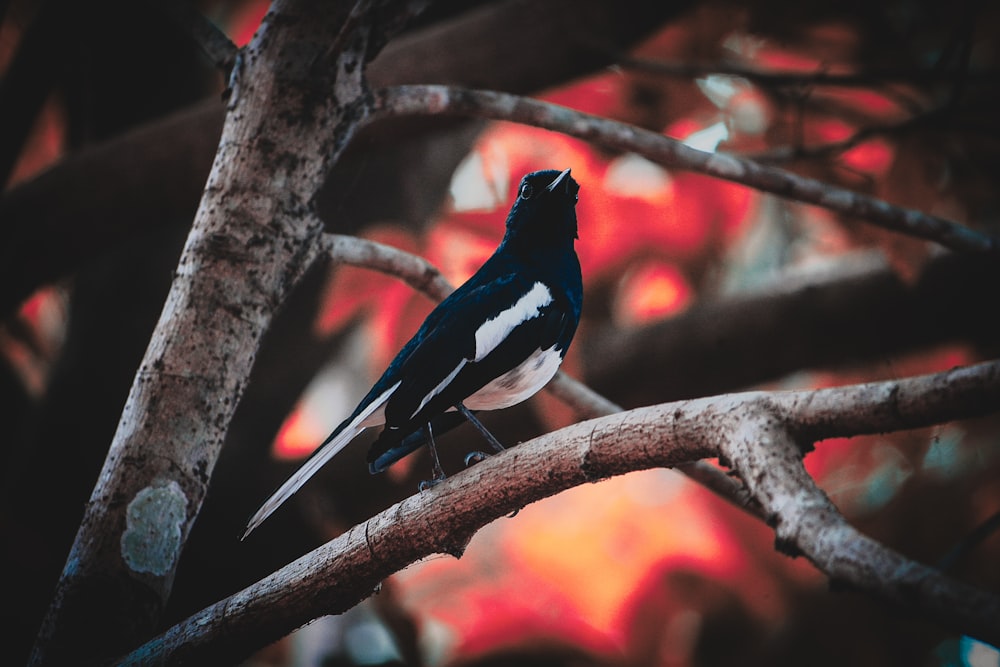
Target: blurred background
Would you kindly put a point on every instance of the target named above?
(109, 117)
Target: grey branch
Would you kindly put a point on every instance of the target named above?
(760, 433)
(414, 270)
(765, 454)
(445, 100)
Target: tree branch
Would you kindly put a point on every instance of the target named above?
(412, 269)
(249, 245)
(960, 393)
(434, 100)
(767, 457)
(753, 431)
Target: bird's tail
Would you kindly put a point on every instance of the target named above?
(371, 412)
(333, 444)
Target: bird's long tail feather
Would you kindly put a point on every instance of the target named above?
(370, 416)
(318, 459)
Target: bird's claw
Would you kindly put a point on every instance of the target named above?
(430, 483)
(475, 457)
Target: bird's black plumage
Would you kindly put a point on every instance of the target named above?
(492, 343)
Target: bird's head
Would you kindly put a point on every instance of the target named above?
(544, 212)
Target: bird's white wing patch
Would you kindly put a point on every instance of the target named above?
(367, 417)
(493, 331)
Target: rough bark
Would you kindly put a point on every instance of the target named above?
(287, 120)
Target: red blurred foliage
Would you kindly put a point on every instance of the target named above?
(298, 435)
(384, 299)
(577, 567)
(243, 20)
(31, 341)
(650, 291)
(45, 143)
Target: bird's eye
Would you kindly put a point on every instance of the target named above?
(527, 191)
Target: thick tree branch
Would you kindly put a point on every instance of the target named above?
(750, 430)
(960, 393)
(250, 243)
(435, 100)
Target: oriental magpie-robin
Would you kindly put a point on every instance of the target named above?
(493, 343)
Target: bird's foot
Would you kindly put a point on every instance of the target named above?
(436, 468)
(430, 483)
(475, 457)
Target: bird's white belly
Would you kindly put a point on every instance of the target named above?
(518, 383)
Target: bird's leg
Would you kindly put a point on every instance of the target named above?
(436, 466)
(475, 457)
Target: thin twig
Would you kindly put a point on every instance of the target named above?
(412, 269)
(401, 14)
(445, 100)
(358, 12)
(833, 148)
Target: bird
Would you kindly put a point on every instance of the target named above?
(492, 343)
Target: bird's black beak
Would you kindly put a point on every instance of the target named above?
(559, 179)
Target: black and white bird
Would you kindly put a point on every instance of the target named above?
(493, 343)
